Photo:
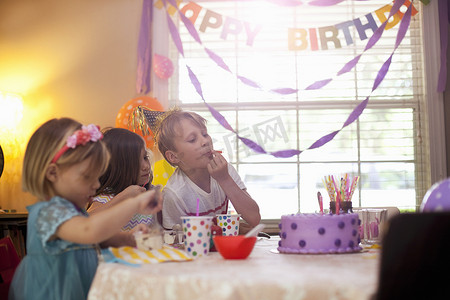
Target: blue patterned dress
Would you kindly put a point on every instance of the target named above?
(53, 269)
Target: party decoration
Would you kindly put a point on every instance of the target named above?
(444, 20)
(404, 25)
(162, 171)
(299, 39)
(437, 197)
(162, 66)
(124, 114)
(144, 56)
(395, 15)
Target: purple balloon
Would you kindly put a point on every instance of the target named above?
(437, 197)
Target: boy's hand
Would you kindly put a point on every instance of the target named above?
(218, 167)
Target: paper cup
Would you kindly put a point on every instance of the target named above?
(197, 235)
(229, 224)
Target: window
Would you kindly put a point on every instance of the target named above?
(386, 146)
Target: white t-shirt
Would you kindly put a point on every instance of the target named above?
(180, 197)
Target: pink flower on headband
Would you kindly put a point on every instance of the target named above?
(87, 133)
(84, 135)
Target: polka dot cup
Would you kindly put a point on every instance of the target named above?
(197, 235)
(229, 224)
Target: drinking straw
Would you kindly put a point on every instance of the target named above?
(329, 187)
(338, 196)
(198, 205)
(353, 186)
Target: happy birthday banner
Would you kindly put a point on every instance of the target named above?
(404, 25)
(299, 39)
(283, 90)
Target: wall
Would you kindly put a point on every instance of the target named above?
(66, 58)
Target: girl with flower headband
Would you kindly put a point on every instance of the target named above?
(62, 164)
(129, 173)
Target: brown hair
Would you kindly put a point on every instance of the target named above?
(125, 148)
(169, 129)
(45, 142)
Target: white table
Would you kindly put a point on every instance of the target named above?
(263, 275)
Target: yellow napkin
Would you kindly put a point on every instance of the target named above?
(134, 256)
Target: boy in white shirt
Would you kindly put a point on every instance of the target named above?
(202, 173)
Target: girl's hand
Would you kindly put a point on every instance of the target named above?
(131, 191)
(218, 167)
(140, 227)
(150, 202)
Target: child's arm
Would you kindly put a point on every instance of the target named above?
(241, 200)
(124, 238)
(105, 224)
(131, 191)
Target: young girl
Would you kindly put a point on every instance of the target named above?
(202, 173)
(129, 173)
(62, 164)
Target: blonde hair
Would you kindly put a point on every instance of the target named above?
(169, 129)
(45, 142)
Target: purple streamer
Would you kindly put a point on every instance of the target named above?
(382, 73)
(443, 33)
(195, 82)
(319, 84)
(284, 91)
(144, 56)
(325, 2)
(218, 60)
(404, 25)
(373, 39)
(248, 81)
(174, 32)
(323, 140)
(285, 153)
(356, 113)
(252, 145)
(190, 27)
(219, 117)
(350, 65)
(352, 117)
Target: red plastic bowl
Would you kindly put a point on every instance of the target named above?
(234, 247)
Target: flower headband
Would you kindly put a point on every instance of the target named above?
(87, 133)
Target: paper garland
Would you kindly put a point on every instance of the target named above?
(404, 25)
(298, 39)
(353, 116)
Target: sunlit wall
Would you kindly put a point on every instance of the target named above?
(74, 59)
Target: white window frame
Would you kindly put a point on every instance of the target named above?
(434, 100)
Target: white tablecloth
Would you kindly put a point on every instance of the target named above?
(263, 275)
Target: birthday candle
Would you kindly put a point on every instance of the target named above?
(320, 199)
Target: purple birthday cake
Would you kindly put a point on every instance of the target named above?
(316, 233)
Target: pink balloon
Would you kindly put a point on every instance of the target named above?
(162, 66)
